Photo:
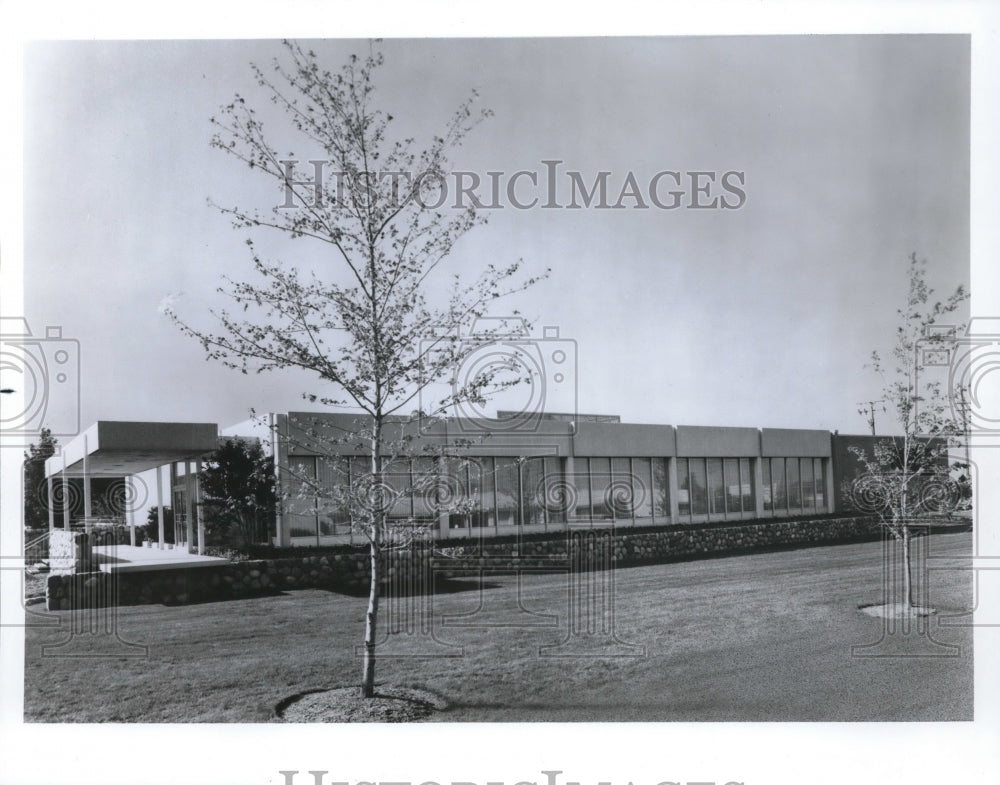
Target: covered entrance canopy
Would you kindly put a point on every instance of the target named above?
(115, 449)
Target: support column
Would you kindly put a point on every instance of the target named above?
(87, 509)
(172, 478)
(190, 507)
(831, 493)
(197, 504)
(66, 496)
(757, 469)
(674, 489)
(159, 506)
(130, 508)
(280, 453)
(52, 511)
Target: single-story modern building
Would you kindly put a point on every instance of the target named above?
(474, 478)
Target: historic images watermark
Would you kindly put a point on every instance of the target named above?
(40, 377)
(317, 183)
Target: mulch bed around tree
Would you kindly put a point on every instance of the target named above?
(345, 704)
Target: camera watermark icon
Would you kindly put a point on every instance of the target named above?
(535, 377)
(45, 374)
(972, 364)
(969, 366)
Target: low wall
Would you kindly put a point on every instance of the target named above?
(411, 569)
(70, 552)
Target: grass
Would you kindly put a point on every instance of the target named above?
(755, 637)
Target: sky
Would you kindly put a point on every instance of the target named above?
(853, 153)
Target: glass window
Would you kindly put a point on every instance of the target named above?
(716, 490)
(334, 509)
(683, 487)
(642, 490)
(699, 490)
(581, 481)
(555, 498)
(533, 491)
(487, 515)
(508, 491)
(397, 477)
(808, 491)
(600, 488)
(794, 490)
(747, 487)
(767, 489)
(300, 507)
(734, 493)
(778, 483)
(661, 489)
(819, 478)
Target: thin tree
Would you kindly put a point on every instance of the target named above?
(36, 499)
(906, 477)
(360, 322)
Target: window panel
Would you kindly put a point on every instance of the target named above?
(488, 496)
(642, 490)
(716, 491)
(533, 491)
(794, 489)
(508, 491)
(778, 480)
(808, 490)
(683, 487)
(600, 487)
(767, 489)
(661, 489)
(734, 492)
(300, 508)
(819, 478)
(334, 509)
(557, 497)
(747, 490)
(581, 480)
(699, 490)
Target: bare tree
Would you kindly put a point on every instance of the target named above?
(906, 477)
(360, 323)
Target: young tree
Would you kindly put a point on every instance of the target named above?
(360, 323)
(907, 476)
(237, 488)
(36, 502)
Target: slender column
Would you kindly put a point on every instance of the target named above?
(172, 474)
(87, 509)
(52, 511)
(757, 469)
(197, 500)
(674, 489)
(190, 508)
(279, 449)
(831, 505)
(130, 508)
(65, 487)
(159, 506)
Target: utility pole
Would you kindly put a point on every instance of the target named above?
(868, 409)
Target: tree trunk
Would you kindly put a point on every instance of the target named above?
(375, 552)
(371, 623)
(907, 572)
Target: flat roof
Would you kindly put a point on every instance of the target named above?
(115, 448)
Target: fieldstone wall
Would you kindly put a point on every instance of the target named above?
(70, 552)
(413, 569)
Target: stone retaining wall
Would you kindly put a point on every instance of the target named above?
(412, 569)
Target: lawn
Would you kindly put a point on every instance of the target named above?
(755, 637)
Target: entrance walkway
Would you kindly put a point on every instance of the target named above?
(129, 558)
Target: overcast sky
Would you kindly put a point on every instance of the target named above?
(854, 152)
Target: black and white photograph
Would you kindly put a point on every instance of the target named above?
(608, 385)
